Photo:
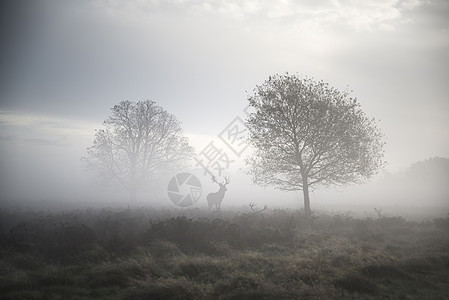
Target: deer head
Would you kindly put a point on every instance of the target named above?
(223, 184)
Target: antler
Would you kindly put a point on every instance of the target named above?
(214, 180)
(253, 205)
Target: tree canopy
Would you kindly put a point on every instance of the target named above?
(139, 142)
(306, 134)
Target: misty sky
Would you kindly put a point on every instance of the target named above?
(64, 64)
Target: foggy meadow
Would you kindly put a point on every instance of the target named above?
(224, 150)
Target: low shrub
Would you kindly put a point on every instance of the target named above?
(383, 271)
(355, 283)
(170, 288)
(244, 286)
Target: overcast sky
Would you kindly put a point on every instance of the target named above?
(64, 64)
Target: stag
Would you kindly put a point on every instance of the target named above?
(217, 197)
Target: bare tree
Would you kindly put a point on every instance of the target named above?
(306, 134)
(217, 197)
(140, 141)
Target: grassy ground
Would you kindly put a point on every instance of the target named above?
(147, 254)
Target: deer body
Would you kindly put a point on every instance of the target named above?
(215, 199)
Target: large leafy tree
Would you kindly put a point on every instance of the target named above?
(306, 134)
(139, 142)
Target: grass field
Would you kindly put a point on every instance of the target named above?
(193, 254)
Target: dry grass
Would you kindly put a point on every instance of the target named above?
(281, 255)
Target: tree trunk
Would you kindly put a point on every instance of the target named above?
(305, 191)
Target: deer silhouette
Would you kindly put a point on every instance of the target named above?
(217, 197)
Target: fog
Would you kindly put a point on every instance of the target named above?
(64, 65)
